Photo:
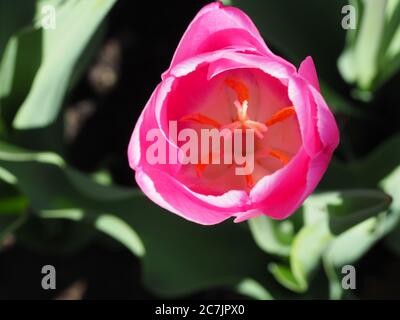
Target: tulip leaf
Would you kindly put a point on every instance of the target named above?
(331, 221)
(12, 209)
(14, 15)
(372, 52)
(391, 184)
(354, 207)
(366, 47)
(109, 224)
(121, 231)
(7, 176)
(390, 41)
(306, 252)
(54, 236)
(253, 289)
(284, 276)
(339, 104)
(306, 249)
(13, 204)
(77, 22)
(366, 172)
(7, 65)
(18, 68)
(362, 237)
(274, 237)
(390, 47)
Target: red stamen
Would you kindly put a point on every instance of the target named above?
(249, 181)
(200, 167)
(280, 156)
(281, 115)
(240, 88)
(202, 119)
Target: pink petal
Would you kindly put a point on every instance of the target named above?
(306, 111)
(273, 66)
(170, 194)
(280, 194)
(216, 27)
(327, 127)
(308, 72)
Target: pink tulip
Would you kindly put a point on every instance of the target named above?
(224, 76)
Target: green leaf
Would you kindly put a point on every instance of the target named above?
(366, 172)
(11, 201)
(182, 257)
(7, 65)
(77, 21)
(121, 231)
(111, 225)
(13, 208)
(86, 186)
(370, 225)
(307, 250)
(284, 276)
(7, 176)
(307, 247)
(14, 15)
(54, 236)
(18, 69)
(366, 48)
(392, 29)
(361, 237)
(389, 55)
(391, 184)
(339, 104)
(272, 236)
(13, 204)
(355, 206)
(253, 289)
(372, 53)
(342, 212)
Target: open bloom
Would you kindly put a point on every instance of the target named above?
(223, 76)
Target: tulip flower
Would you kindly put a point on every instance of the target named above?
(223, 77)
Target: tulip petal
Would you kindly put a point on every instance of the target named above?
(280, 194)
(308, 72)
(135, 145)
(306, 111)
(327, 128)
(170, 194)
(278, 68)
(217, 27)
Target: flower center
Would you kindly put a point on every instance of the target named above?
(243, 122)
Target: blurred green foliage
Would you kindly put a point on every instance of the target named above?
(372, 53)
(50, 206)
